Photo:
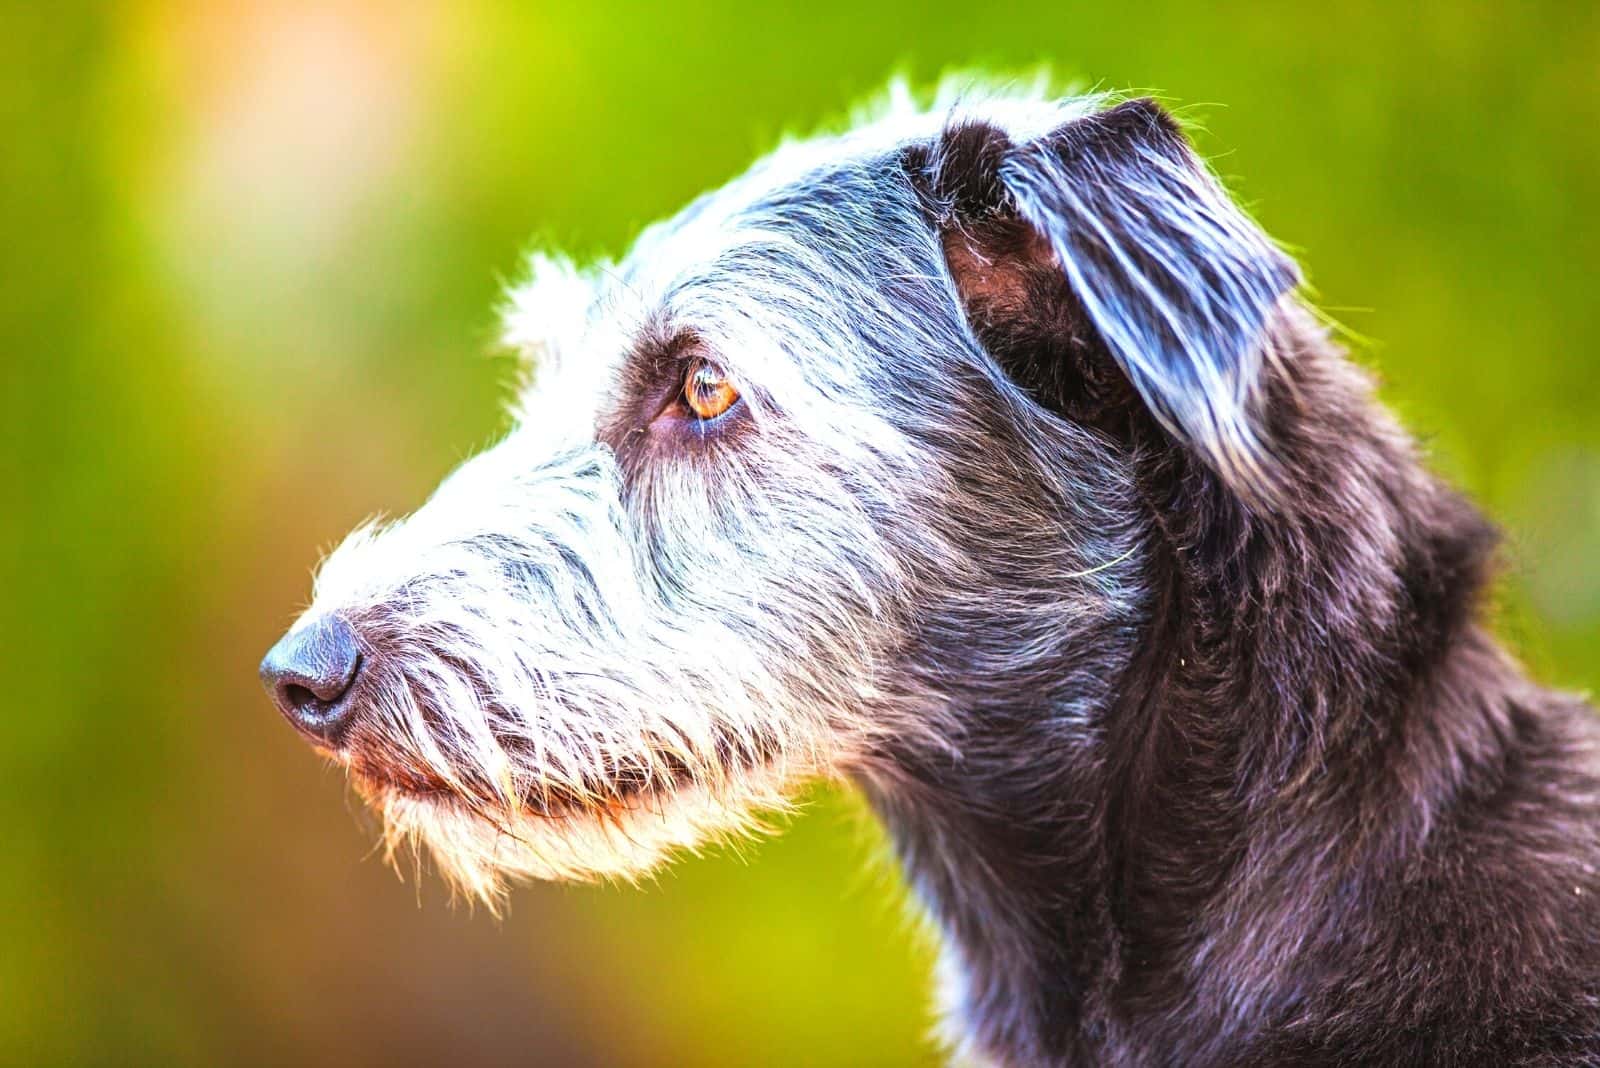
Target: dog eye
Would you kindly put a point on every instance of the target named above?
(707, 391)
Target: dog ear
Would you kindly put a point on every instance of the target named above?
(1108, 236)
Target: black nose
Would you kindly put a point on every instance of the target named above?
(309, 671)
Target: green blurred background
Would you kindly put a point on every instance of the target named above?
(250, 257)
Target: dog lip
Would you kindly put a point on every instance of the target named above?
(549, 800)
(553, 805)
(381, 769)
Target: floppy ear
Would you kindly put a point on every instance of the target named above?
(1108, 236)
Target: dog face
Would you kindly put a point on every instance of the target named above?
(818, 475)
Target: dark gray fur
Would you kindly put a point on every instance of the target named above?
(1052, 520)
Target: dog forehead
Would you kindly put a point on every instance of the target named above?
(712, 267)
(668, 254)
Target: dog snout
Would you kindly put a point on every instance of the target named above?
(310, 672)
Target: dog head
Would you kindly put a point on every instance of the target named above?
(828, 466)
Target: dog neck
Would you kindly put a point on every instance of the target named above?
(1096, 887)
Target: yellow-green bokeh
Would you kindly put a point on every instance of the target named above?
(251, 256)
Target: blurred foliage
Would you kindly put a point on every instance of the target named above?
(251, 258)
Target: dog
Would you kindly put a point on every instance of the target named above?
(985, 457)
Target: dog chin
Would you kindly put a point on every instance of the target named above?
(481, 850)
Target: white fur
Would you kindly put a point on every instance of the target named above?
(732, 625)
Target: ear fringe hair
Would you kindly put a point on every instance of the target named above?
(1179, 283)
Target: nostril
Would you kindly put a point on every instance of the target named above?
(294, 696)
(309, 673)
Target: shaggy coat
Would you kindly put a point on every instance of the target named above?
(1046, 515)
(1325, 819)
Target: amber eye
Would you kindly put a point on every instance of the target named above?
(706, 391)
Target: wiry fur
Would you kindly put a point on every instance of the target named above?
(1054, 523)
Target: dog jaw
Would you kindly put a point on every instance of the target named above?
(478, 851)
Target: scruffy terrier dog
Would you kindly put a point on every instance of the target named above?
(984, 457)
